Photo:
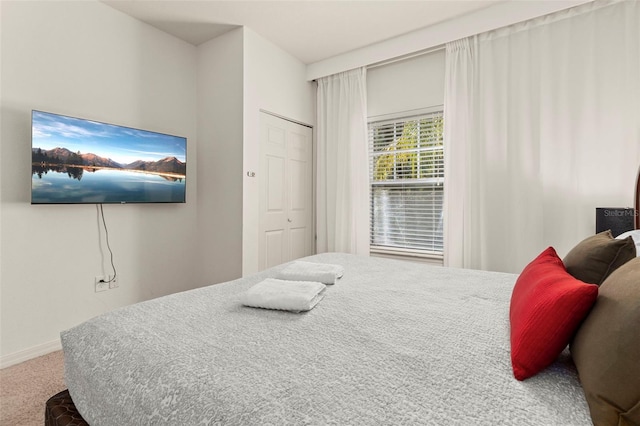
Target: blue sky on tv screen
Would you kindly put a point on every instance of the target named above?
(122, 144)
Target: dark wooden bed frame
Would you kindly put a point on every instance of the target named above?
(60, 410)
(637, 206)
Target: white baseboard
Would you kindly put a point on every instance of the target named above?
(30, 353)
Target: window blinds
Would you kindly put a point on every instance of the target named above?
(406, 166)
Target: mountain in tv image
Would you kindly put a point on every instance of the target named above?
(57, 157)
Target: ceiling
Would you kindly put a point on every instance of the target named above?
(310, 30)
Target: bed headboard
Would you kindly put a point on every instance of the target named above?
(638, 200)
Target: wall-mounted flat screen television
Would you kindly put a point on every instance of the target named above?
(78, 161)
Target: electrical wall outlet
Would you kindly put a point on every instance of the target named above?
(101, 283)
(106, 282)
(114, 282)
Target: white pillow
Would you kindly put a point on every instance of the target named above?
(635, 234)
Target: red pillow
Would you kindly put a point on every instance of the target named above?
(547, 306)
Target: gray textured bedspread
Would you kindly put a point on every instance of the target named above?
(391, 343)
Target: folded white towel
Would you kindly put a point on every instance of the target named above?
(300, 270)
(295, 296)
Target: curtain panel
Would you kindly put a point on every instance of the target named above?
(542, 125)
(342, 161)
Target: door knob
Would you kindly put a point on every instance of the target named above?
(289, 220)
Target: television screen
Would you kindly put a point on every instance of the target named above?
(74, 160)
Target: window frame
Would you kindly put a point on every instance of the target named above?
(434, 256)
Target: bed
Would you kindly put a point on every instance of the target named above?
(392, 342)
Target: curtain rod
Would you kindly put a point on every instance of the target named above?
(407, 56)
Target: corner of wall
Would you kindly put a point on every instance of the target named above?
(220, 101)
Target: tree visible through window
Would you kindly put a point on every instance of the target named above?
(407, 180)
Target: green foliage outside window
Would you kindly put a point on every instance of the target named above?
(408, 150)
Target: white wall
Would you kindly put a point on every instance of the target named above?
(274, 81)
(86, 59)
(239, 73)
(220, 148)
(407, 85)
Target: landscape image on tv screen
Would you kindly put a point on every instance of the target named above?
(81, 161)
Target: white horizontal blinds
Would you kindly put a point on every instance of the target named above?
(407, 178)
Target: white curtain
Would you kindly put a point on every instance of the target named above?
(342, 159)
(542, 126)
(460, 72)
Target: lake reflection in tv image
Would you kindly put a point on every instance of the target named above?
(75, 160)
(78, 185)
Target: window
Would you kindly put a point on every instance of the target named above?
(407, 182)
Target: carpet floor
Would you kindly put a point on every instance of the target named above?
(26, 387)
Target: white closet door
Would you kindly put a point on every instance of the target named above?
(286, 191)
